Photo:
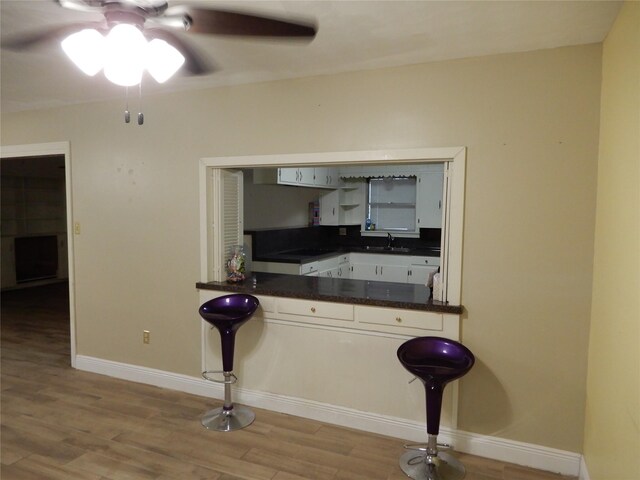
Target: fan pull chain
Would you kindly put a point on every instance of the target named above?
(127, 114)
(140, 114)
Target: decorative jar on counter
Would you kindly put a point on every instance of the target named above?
(235, 264)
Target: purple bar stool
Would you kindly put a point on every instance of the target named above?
(227, 314)
(436, 361)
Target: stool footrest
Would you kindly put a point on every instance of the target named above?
(423, 447)
(229, 377)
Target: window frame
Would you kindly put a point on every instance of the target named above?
(399, 205)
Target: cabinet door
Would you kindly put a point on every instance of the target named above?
(419, 274)
(305, 176)
(324, 273)
(429, 200)
(329, 207)
(392, 273)
(344, 271)
(363, 271)
(288, 176)
(326, 177)
(310, 269)
(333, 177)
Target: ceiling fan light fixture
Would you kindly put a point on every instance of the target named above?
(86, 49)
(125, 55)
(163, 60)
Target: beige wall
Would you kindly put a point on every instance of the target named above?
(612, 432)
(291, 210)
(530, 122)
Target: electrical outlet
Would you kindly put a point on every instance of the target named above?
(342, 231)
(76, 228)
(146, 336)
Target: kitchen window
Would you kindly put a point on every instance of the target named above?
(391, 204)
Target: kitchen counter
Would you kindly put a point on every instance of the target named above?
(304, 255)
(338, 290)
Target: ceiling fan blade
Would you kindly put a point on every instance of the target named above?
(92, 6)
(194, 63)
(223, 22)
(29, 40)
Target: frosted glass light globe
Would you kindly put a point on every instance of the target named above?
(86, 49)
(163, 60)
(125, 55)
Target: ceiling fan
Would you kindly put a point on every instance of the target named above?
(156, 23)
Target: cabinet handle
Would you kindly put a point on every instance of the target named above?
(300, 176)
(398, 319)
(426, 261)
(333, 211)
(313, 309)
(376, 269)
(439, 204)
(380, 270)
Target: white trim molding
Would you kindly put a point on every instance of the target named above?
(527, 454)
(47, 149)
(584, 471)
(453, 199)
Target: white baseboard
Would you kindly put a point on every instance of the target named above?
(535, 456)
(584, 472)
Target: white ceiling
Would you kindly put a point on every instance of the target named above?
(352, 35)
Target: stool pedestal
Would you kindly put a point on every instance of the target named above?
(227, 314)
(439, 466)
(436, 361)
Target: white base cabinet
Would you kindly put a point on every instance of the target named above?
(379, 272)
(392, 268)
(334, 267)
(361, 266)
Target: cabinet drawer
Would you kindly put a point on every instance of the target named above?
(310, 308)
(268, 304)
(399, 318)
(430, 261)
(307, 268)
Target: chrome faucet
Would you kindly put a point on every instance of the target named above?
(390, 240)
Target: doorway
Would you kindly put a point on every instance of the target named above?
(37, 235)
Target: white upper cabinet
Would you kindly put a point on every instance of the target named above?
(296, 176)
(326, 177)
(330, 208)
(429, 200)
(343, 206)
(321, 177)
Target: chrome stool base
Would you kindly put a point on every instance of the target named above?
(223, 420)
(444, 466)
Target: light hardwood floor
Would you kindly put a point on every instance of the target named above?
(60, 423)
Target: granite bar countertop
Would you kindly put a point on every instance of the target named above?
(338, 290)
